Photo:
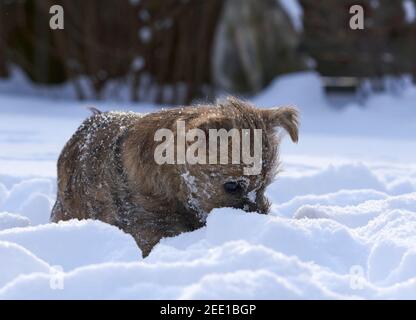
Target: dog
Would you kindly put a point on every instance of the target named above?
(107, 170)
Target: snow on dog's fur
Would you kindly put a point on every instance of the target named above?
(107, 170)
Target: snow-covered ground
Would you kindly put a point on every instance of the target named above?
(343, 220)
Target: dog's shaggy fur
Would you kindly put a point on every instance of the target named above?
(107, 170)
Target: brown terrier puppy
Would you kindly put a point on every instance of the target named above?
(107, 170)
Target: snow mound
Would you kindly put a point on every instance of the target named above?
(32, 198)
(237, 255)
(353, 176)
(3, 194)
(75, 243)
(22, 260)
(10, 220)
(285, 91)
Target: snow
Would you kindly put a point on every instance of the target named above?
(342, 222)
(145, 34)
(295, 12)
(10, 220)
(138, 63)
(100, 243)
(409, 8)
(22, 260)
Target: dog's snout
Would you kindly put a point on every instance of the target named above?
(261, 205)
(249, 206)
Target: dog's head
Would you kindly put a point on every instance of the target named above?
(241, 155)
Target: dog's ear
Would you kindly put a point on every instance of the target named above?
(284, 117)
(211, 120)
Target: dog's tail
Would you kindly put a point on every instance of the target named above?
(94, 110)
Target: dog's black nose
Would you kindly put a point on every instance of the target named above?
(232, 187)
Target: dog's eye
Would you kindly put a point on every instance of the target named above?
(232, 187)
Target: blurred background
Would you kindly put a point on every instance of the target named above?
(178, 51)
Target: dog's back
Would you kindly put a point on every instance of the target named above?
(89, 160)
